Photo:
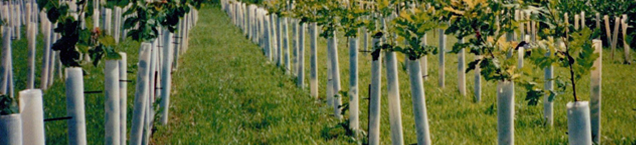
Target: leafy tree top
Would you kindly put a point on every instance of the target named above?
(411, 25)
(566, 47)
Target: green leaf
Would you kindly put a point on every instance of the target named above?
(7, 106)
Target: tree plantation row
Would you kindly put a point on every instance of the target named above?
(500, 35)
(76, 37)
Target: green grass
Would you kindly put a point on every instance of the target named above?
(225, 92)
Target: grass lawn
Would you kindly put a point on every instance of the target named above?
(226, 92)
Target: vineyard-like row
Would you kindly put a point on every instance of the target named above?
(72, 46)
(500, 35)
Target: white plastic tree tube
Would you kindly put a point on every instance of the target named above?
(548, 112)
(395, 112)
(582, 19)
(117, 24)
(59, 69)
(272, 37)
(10, 129)
(374, 99)
(477, 86)
(123, 94)
(354, 122)
(505, 113)
(5, 68)
(261, 31)
(520, 54)
(576, 22)
(166, 77)
(186, 43)
(268, 40)
(579, 128)
(279, 41)
(442, 52)
(608, 33)
(255, 24)
(32, 113)
(294, 57)
(461, 70)
(75, 106)
(595, 97)
(313, 80)
(335, 72)
(46, 56)
(96, 14)
(52, 62)
(112, 108)
(300, 81)
(17, 30)
(424, 60)
(329, 93)
(598, 21)
(141, 95)
(286, 45)
(626, 48)
(178, 39)
(615, 34)
(31, 56)
(152, 75)
(249, 22)
(27, 16)
(365, 39)
(107, 21)
(419, 103)
(243, 18)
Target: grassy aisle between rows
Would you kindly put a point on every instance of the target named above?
(225, 92)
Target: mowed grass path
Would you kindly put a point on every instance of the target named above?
(227, 92)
